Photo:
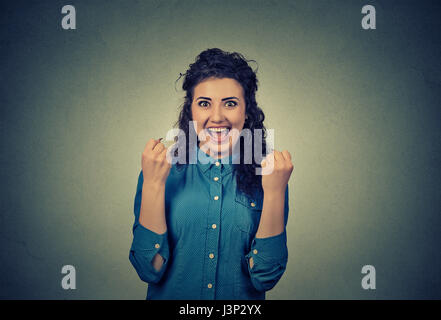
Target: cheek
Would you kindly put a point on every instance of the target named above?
(239, 120)
(193, 113)
(196, 116)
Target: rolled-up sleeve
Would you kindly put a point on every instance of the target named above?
(146, 244)
(270, 256)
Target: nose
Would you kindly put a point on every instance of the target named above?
(217, 114)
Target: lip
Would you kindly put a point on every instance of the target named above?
(215, 139)
(218, 127)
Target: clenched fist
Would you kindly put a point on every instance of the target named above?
(154, 163)
(276, 171)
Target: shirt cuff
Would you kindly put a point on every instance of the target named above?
(146, 240)
(270, 256)
(270, 249)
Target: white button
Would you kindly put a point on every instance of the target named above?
(217, 163)
(214, 226)
(211, 255)
(216, 178)
(210, 286)
(157, 246)
(216, 197)
(255, 251)
(253, 204)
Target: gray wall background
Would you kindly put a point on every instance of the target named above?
(358, 110)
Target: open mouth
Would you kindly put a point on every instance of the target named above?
(218, 135)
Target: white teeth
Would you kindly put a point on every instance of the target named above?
(218, 129)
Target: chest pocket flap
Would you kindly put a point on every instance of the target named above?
(248, 211)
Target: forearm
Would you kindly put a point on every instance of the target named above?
(152, 213)
(272, 217)
(268, 254)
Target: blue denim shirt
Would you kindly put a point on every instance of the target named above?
(210, 237)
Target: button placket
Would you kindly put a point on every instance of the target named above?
(212, 235)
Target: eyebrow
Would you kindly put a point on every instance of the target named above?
(228, 98)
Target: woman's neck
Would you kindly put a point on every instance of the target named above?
(216, 155)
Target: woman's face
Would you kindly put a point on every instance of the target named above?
(218, 106)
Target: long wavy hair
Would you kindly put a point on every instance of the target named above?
(220, 64)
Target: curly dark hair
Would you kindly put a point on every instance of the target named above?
(220, 64)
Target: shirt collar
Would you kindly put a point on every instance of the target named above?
(205, 161)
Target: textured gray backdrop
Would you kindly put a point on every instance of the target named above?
(358, 110)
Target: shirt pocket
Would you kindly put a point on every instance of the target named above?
(248, 212)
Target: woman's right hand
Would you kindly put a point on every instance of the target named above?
(154, 163)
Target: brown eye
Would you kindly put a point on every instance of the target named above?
(231, 103)
(203, 104)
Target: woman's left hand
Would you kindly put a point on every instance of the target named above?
(276, 171)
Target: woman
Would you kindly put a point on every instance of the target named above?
(213, 228)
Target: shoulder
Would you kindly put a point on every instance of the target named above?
(177, 175)
(174, 171)
(177, 170)
(140, 179)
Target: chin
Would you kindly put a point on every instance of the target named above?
(217, 150)
(222, 148)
